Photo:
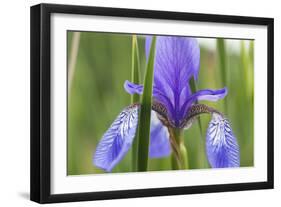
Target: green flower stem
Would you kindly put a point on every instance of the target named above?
(179, 155)
(135, 98)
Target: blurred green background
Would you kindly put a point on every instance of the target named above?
(96, 95)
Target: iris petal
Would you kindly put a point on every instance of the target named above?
(209, 95)
(117, 140)
(133, 88)
(221, 145)
(182, 52)
(176, 61)
(159, 138)
(206, 94)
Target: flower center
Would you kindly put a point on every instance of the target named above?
(193, 112)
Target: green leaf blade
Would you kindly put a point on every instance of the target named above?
(135, 98)
(222, 56)
(194, 88)
(145, 112)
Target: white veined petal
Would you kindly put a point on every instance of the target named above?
(221, 144)
(117, 140)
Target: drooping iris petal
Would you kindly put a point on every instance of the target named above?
(221, 145)
(206, 94)
(117, 140)
(159, 138)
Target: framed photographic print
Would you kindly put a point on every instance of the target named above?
(132, 103)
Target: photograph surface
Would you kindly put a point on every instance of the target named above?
(141, 102)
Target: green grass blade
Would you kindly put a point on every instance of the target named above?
(135, 68)
(135, 98)
(73, 58)
(145, 113)
(222, 65)
(246, 71)
(194, 89)
(251, 71)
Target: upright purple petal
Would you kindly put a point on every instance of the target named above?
(117, 140)
(221, 145)
(176, 61)
(159, 138)
(188, 53)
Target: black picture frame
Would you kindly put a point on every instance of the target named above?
(41, 102)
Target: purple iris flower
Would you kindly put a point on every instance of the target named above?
(177, 60)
